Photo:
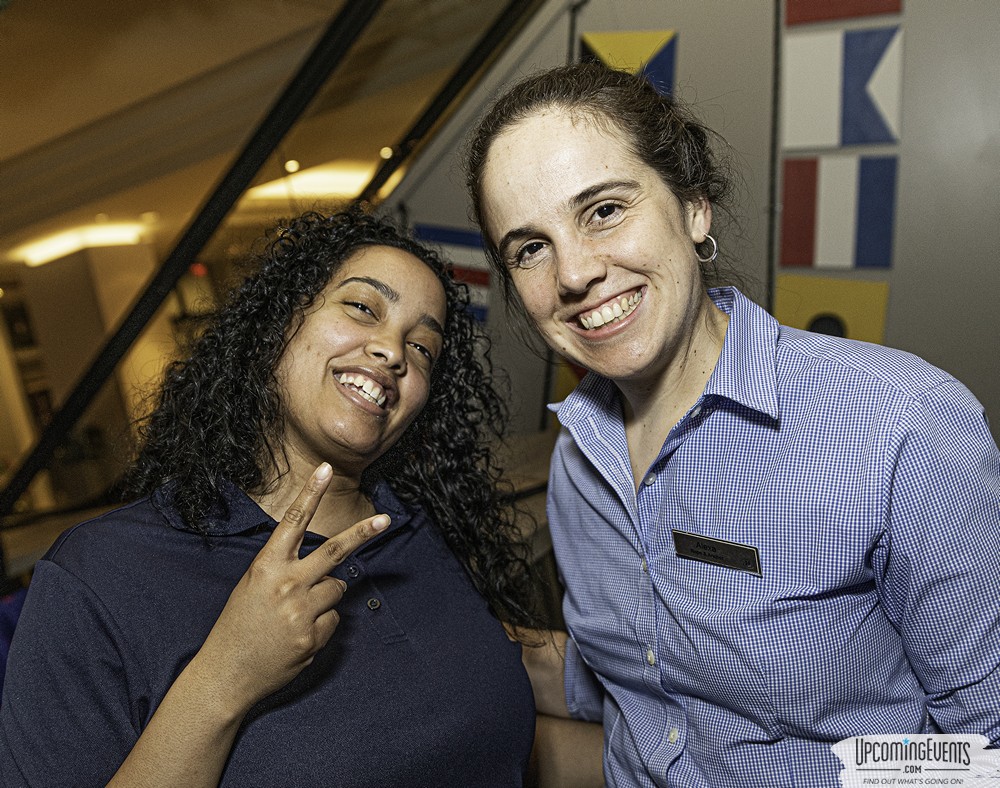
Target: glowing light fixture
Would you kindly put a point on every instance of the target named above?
(292, 166)
(386, 153)
(52, 247)
(343, 179)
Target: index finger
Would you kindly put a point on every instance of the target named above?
(334, 550)
(287, 535)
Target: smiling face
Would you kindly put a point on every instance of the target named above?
(357, 372)
(600, 250)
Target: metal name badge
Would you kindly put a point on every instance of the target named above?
(731, 555)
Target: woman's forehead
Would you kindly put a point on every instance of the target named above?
(555, 153)
(562, 131)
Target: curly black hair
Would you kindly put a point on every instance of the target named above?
(219, 413)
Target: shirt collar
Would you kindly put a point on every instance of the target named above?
(238, 513)
(745, 372)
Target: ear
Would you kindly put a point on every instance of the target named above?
(699, 216)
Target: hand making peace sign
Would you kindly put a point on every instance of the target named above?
(281, 613)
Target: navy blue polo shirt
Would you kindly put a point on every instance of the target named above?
(419, 685)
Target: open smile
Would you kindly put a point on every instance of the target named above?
(364, 385)
(613, 311)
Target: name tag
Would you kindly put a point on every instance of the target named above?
(731, 555)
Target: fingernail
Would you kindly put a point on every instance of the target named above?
(381, 522)
(323, 471)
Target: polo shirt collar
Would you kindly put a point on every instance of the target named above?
(240, 513)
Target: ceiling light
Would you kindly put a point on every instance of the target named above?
(343, 179)
(52, 247)
(292, 166)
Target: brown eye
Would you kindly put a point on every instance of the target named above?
(361, 307)
(528, 256)
(422, 350)
(607, 210)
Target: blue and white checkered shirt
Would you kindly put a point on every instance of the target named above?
(868, 483)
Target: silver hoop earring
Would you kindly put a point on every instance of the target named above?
(715, 251)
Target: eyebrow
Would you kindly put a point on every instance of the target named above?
(432, 324)
(597, 189)
(387, 292)
(576, 201)
(392, 295)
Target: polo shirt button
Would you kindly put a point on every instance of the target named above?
(672, 736)
(374, 604)
(645, 566)
(649, 479)
(695, 411)
(353, 571)
(650, 656)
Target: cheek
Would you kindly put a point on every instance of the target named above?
(418, 392)
(422, 392)
(537, 294)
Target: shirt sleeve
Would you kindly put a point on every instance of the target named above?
(65, 716)
(584, 693)
(939, 577)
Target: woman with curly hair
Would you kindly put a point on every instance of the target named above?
(320, 461)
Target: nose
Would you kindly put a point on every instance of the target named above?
(388, 349)
(578, 267)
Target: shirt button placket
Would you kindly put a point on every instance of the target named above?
(648, 481)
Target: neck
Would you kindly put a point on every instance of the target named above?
(341, 506)
(652, 408)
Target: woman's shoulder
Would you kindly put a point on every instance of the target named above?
(864, 363)
(120, 529)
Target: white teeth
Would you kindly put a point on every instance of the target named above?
(611, 312)
(365, 386)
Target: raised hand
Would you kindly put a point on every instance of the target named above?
(281, 613)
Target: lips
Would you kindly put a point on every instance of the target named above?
(610, 312)
(364, 385)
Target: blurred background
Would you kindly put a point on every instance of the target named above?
(144, 148)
